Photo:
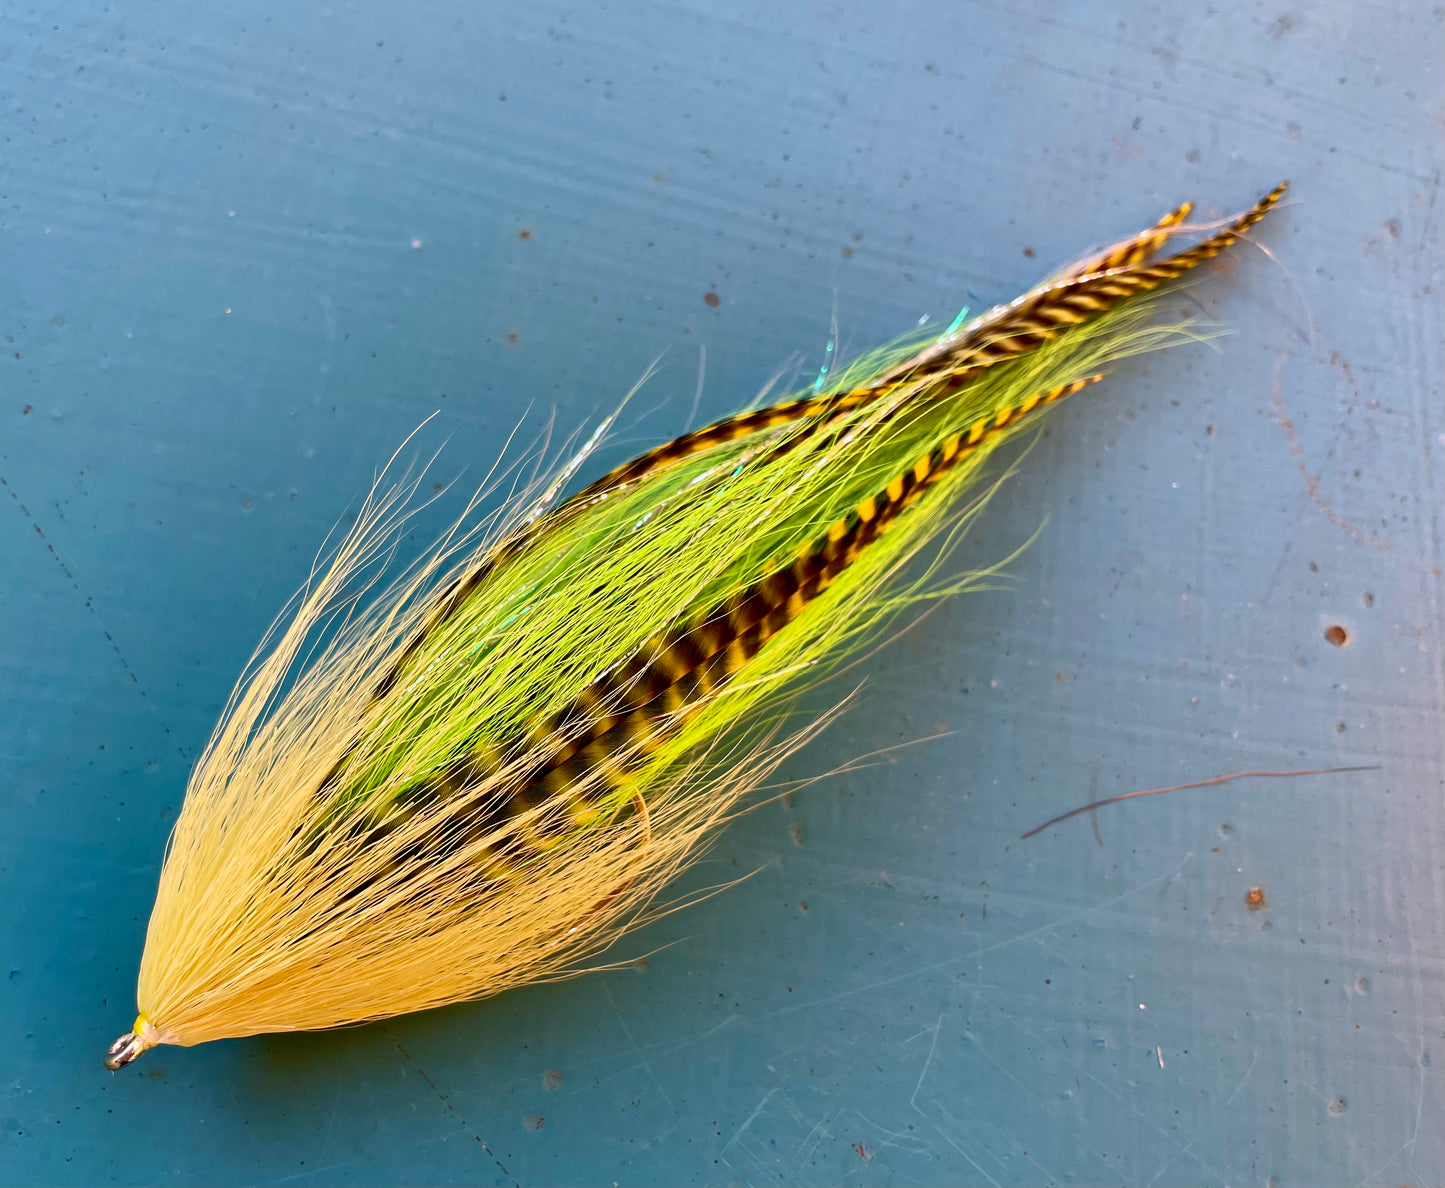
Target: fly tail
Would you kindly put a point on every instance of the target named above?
(1072, 298)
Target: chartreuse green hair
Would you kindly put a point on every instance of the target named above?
(486, 776)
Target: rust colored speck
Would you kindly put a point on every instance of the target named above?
(712, 299)
(524, 233)
(1337, 635)
(1254, 898)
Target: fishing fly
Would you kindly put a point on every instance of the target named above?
(483, 774)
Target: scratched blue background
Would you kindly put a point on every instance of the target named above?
(247, 248)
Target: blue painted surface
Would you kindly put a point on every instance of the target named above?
(248, 248)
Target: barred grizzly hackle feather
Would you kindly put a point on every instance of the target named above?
(487, 776)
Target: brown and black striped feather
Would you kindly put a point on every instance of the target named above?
(583, 755)
(590, 750)
(1085, 292)
(1057, 306)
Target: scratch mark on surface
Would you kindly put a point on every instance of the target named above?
(947, 1139)
(1128, 1105)
(902, 1139)
(90, 606)
(1250, 1069)
(927, 1063)
(810, 1144)
(1429, 220)
(730, 1021)
(932, 967)
(998, 1064)
(972, 1162)
(1312, 482)
(644, 1063)
(1419, 1107)
(647, 1065)
(447, 1107)
(1164, 1166)
(1045, 1175)
(331, 1119)
(305, 1175)
(751, 1118)
(621, 1022)
(1065, 920)
(1419, 1103)
(1398, 1152)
